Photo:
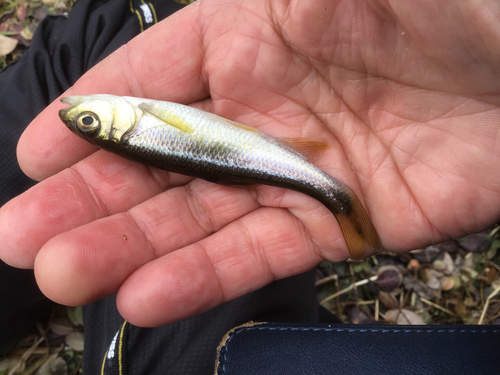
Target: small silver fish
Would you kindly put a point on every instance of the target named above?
(193, 142)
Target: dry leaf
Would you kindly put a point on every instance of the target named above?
(448, 246)
(403, 316)
(413, 264)
(468, 261)
(40, 13)
(447, 283)
(469, 272)
(431, 279)
(389, 278)
(460, 308)
(21, 13)
(470, 302)
(7, 45)
(5, 364)
(17, 365)
(49, 3)
(75, 341)
(53, 366)
(27, 33)
(419, 287)
(444, 265)
(476, 243)
(388, 300)
(360, 316)
(61, 326)
(426, 255)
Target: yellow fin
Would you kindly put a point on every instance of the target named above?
(309, 149)
(167, 117)
(359, 233)
(241, 126)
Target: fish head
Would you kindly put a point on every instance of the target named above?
(100, 119)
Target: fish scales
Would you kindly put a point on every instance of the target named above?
(217, 156)
(189, 141)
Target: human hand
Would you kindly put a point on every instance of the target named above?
(406, 99)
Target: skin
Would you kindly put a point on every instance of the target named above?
(406, 93)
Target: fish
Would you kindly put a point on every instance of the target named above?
(189, 141)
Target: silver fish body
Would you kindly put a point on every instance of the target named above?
(193, 142)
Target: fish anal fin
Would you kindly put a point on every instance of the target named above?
(242, 186)
(359, 233)
(236, 183)
(308, 148)
(166, 116)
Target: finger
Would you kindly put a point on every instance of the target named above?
(243, 257)
(167, 222)
(101, 185)
(69, 269)
(181, 216)
(164, 62)
(89, 262)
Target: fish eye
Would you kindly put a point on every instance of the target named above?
(88, 123)
(87, 120)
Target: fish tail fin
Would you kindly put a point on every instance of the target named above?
(359, 233)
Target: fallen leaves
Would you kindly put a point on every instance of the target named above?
(18, 22)
(403, 316)
(7, 45)
(54, 350)
(389, 278)
(450, 283)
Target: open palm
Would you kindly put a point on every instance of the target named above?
(406, 94)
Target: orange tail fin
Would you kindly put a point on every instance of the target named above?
(359, 233)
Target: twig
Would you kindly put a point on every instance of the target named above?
(35, 366)
(357, 303)
(25, 356)
(351, 270)
(495, 317)
(366, 302)
(481, 294)
(77, 368)
(437, 306)
(350, 287)
(494, 231)
(377, 303)
(337, 287)
(495, 292)
(43, 333)
(325, 280)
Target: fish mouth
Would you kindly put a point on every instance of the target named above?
(73, 101)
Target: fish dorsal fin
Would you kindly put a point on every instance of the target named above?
(242, 126)
(309, 149)
(166, 116)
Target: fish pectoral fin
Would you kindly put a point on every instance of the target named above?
(309, 149)
(166, 116)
